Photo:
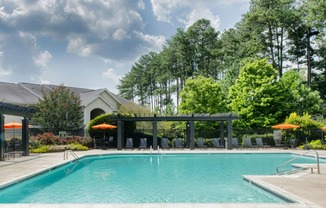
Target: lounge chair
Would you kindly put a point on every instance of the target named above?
(235, 142)
(279, 143)
(259, 142)
(129, 143)
(178, 143)
(248, 143)
(165, 143)
(200, 143)
(294, 142)
(216, 143)
(143, 143)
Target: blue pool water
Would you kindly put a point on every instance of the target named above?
(180, 178)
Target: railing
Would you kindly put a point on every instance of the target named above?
(302, 168)
(66, 154)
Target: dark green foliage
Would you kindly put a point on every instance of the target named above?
(59, 110)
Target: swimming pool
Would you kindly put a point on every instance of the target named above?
(167, 178)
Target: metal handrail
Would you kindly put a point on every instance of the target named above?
(66, 153)
(287, 162)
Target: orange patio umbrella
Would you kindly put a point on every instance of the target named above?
(13, 125)
(323, 128)
(104, 126)
(285, 126)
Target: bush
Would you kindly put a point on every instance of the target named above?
(59, 148)
(315, 144)
(48, 142)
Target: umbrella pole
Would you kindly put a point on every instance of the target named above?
(104, 140)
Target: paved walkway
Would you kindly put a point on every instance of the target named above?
(308, 189)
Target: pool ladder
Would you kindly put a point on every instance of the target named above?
(302, 168)
(66, 154)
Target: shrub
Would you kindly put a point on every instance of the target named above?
(59, 148)
(40, 149)
(48, 142)
(315, 144)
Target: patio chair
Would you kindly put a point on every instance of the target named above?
(143, 143)
(165, 143)
(259, 142)
(216, 143)
(235, 142)
(178, 143)
(279, 143)
(294, 142)
(129, 143)
(200, 143)
(249, 144)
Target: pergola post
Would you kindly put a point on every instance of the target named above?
(25, 136)
(155, 135)
(229, 139)
(222, 133)
(192, 134)
(2, 138)
(188, 134)
(120, 135)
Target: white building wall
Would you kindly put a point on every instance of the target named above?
(97, 103)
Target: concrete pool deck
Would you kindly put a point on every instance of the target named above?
(307, 188)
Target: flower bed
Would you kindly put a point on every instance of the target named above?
(48, 142)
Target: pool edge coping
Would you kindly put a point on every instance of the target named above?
(255, 179)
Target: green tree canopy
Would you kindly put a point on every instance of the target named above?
(59, 110)
(304, 121)
(298, 97)
(256, 95)
(202, 95)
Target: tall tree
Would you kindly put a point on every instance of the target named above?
(59, 110)
(256, 95)
(203, 41)
(267, 22)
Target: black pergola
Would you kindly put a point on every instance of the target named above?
(189, 118)
(16, 110)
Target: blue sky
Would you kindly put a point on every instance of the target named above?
(93, 43)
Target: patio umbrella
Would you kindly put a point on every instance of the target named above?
(285, 126)
(323, 128)
(13, 125)
(104, 126)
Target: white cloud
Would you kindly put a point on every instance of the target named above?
(162, 9)
(4, 73)
(42, 59)
(112, 75)
(120, 34)
(201, 13)
(79, 46)
(45, 82)
(173, 10)
(153, 43)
